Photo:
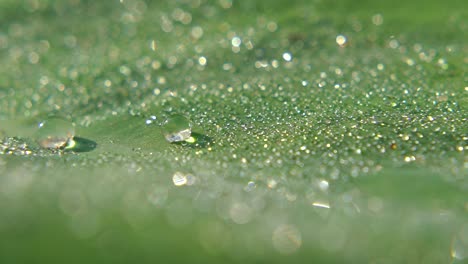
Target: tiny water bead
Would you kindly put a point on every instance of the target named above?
(177, 128)
(55, 133)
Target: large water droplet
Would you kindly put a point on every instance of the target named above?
(55, 133)
(177, 128)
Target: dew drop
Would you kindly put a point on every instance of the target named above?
(236, 41)
(55, 133)
(287, 56)
(341, 40)
(250, 186)
(323, 185)
(180, 179)
(177, 128)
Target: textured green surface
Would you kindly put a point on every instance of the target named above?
(307, 151)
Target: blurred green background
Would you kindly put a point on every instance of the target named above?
(327, 131)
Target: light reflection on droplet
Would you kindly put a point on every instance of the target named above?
(153, 45)
(287, 239)
(261, 64)
(341, 40)
(442, 62)
(150, 120)
(323, 185)
(410, 62)
(236, 41)
(179, 179)
(287, 56)
(202, 61)
(274, 63)
(191, 140)
(125, 70)
(409, 158)
(321, 204)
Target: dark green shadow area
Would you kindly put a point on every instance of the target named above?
(83, 145)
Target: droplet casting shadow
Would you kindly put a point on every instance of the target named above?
(83, 145)
(201, 141)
